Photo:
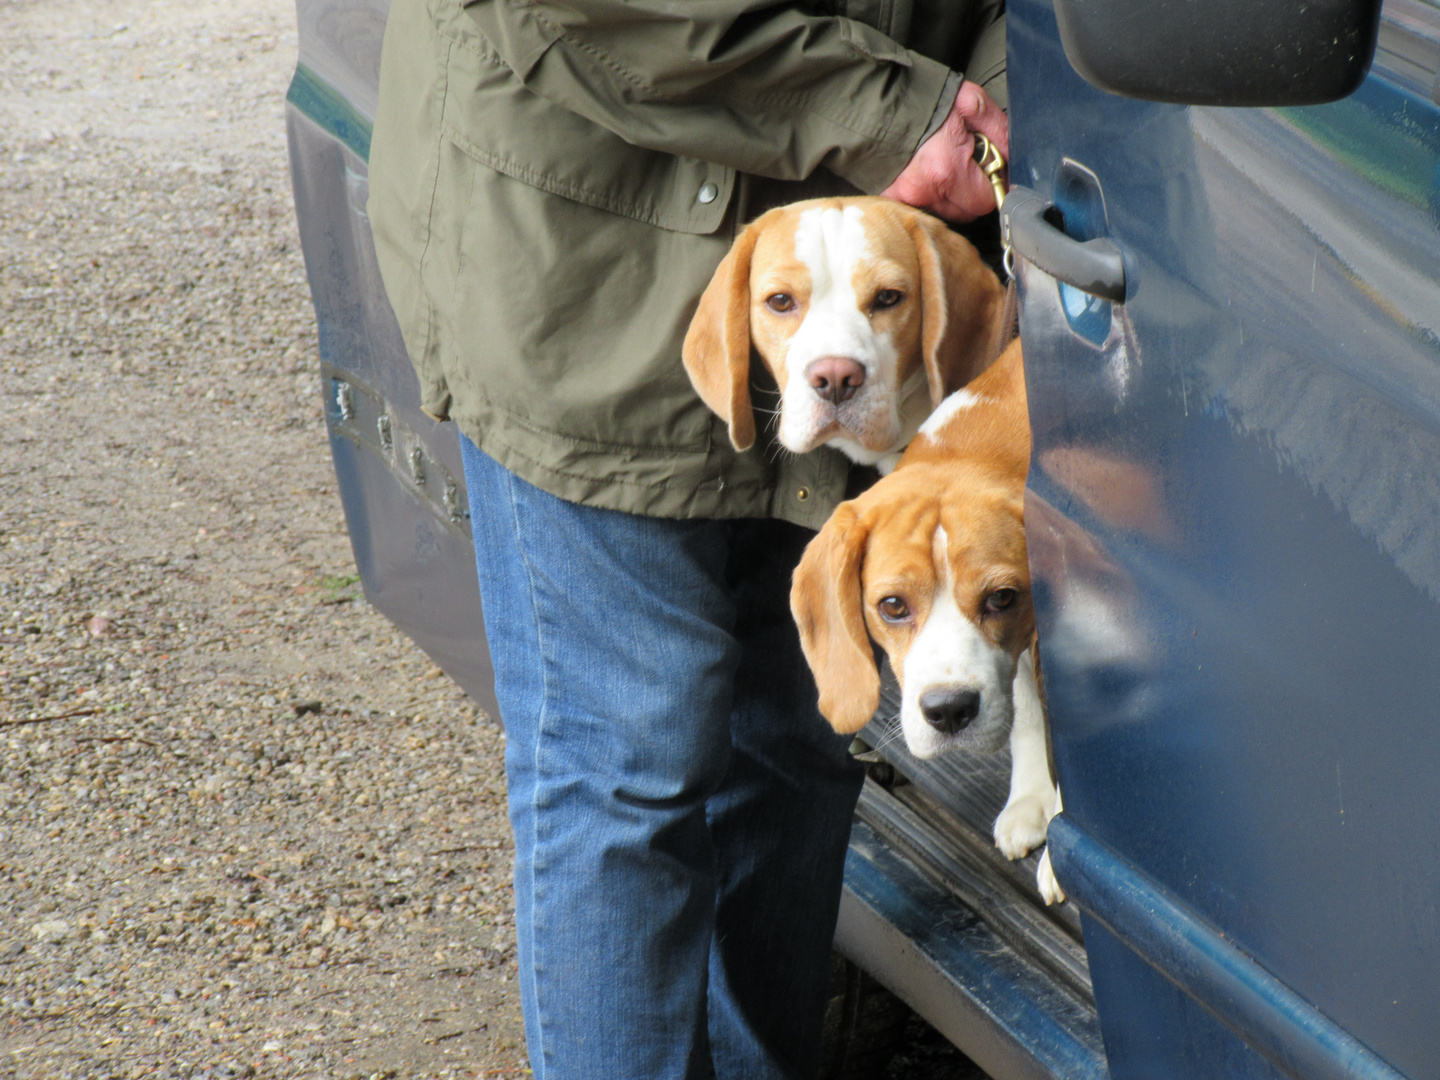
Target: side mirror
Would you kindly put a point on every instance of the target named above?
(1221, 52)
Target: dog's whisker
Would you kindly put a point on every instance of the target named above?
(885, 744)
(891, 735)
(777, 451)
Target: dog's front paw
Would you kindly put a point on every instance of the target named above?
(1020, 828)
(1050, 889)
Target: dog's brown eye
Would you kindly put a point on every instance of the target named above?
(893, 609)
(780, 303)
(886, 298)
(1001, 599)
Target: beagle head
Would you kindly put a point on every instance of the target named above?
(930, 564)
(866, 312)
(944, 589)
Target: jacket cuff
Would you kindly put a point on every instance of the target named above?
(918, 113)
(944, 107)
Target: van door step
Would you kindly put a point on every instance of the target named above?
(1015, 1000)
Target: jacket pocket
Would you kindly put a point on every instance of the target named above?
(494, 120)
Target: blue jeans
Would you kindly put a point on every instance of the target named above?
(681, 810)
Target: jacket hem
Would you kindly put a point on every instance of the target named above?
(687, 491)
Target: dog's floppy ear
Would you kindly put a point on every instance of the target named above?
(825, 600)
(717, 345)
(962, 307)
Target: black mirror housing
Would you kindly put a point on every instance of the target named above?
(1221, 52)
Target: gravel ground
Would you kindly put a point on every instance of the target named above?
(246, 827)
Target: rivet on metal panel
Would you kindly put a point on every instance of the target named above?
(451, 500)
(417, 465)
(344, 400)
(387, 436)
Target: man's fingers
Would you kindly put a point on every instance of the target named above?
(958, 190)
(980, 113)
(943, 176)
(971, 196)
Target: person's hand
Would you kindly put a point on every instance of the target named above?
(943, 177)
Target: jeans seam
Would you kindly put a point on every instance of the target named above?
(535, 763)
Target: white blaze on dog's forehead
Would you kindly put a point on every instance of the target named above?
(834, 245)
(940, 555)
(960, 399)
(830, 240)
(949, 647)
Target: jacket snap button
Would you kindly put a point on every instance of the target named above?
(803, 494)
(708, 192)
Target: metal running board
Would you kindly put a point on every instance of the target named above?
(1012, 1015)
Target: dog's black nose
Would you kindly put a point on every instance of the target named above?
(949, 710)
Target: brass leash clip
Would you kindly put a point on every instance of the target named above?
(992, 165)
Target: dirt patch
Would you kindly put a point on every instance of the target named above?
(246, 827)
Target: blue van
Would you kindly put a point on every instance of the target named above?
(1227, 239)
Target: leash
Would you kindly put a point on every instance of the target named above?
(992, 165)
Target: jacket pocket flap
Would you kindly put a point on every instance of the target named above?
(493, 119)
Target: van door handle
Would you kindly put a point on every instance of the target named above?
(1093, 266)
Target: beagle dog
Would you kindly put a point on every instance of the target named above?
(930, 563)
(866, 312)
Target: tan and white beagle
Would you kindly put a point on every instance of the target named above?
(866, 312)
(931, 564)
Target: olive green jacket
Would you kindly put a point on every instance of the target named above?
(552, 183)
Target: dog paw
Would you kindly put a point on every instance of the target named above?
(1050, 889)
(1020, 828)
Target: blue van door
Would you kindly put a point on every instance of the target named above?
(1234, 526)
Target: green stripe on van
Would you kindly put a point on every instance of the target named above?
(324, 104)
